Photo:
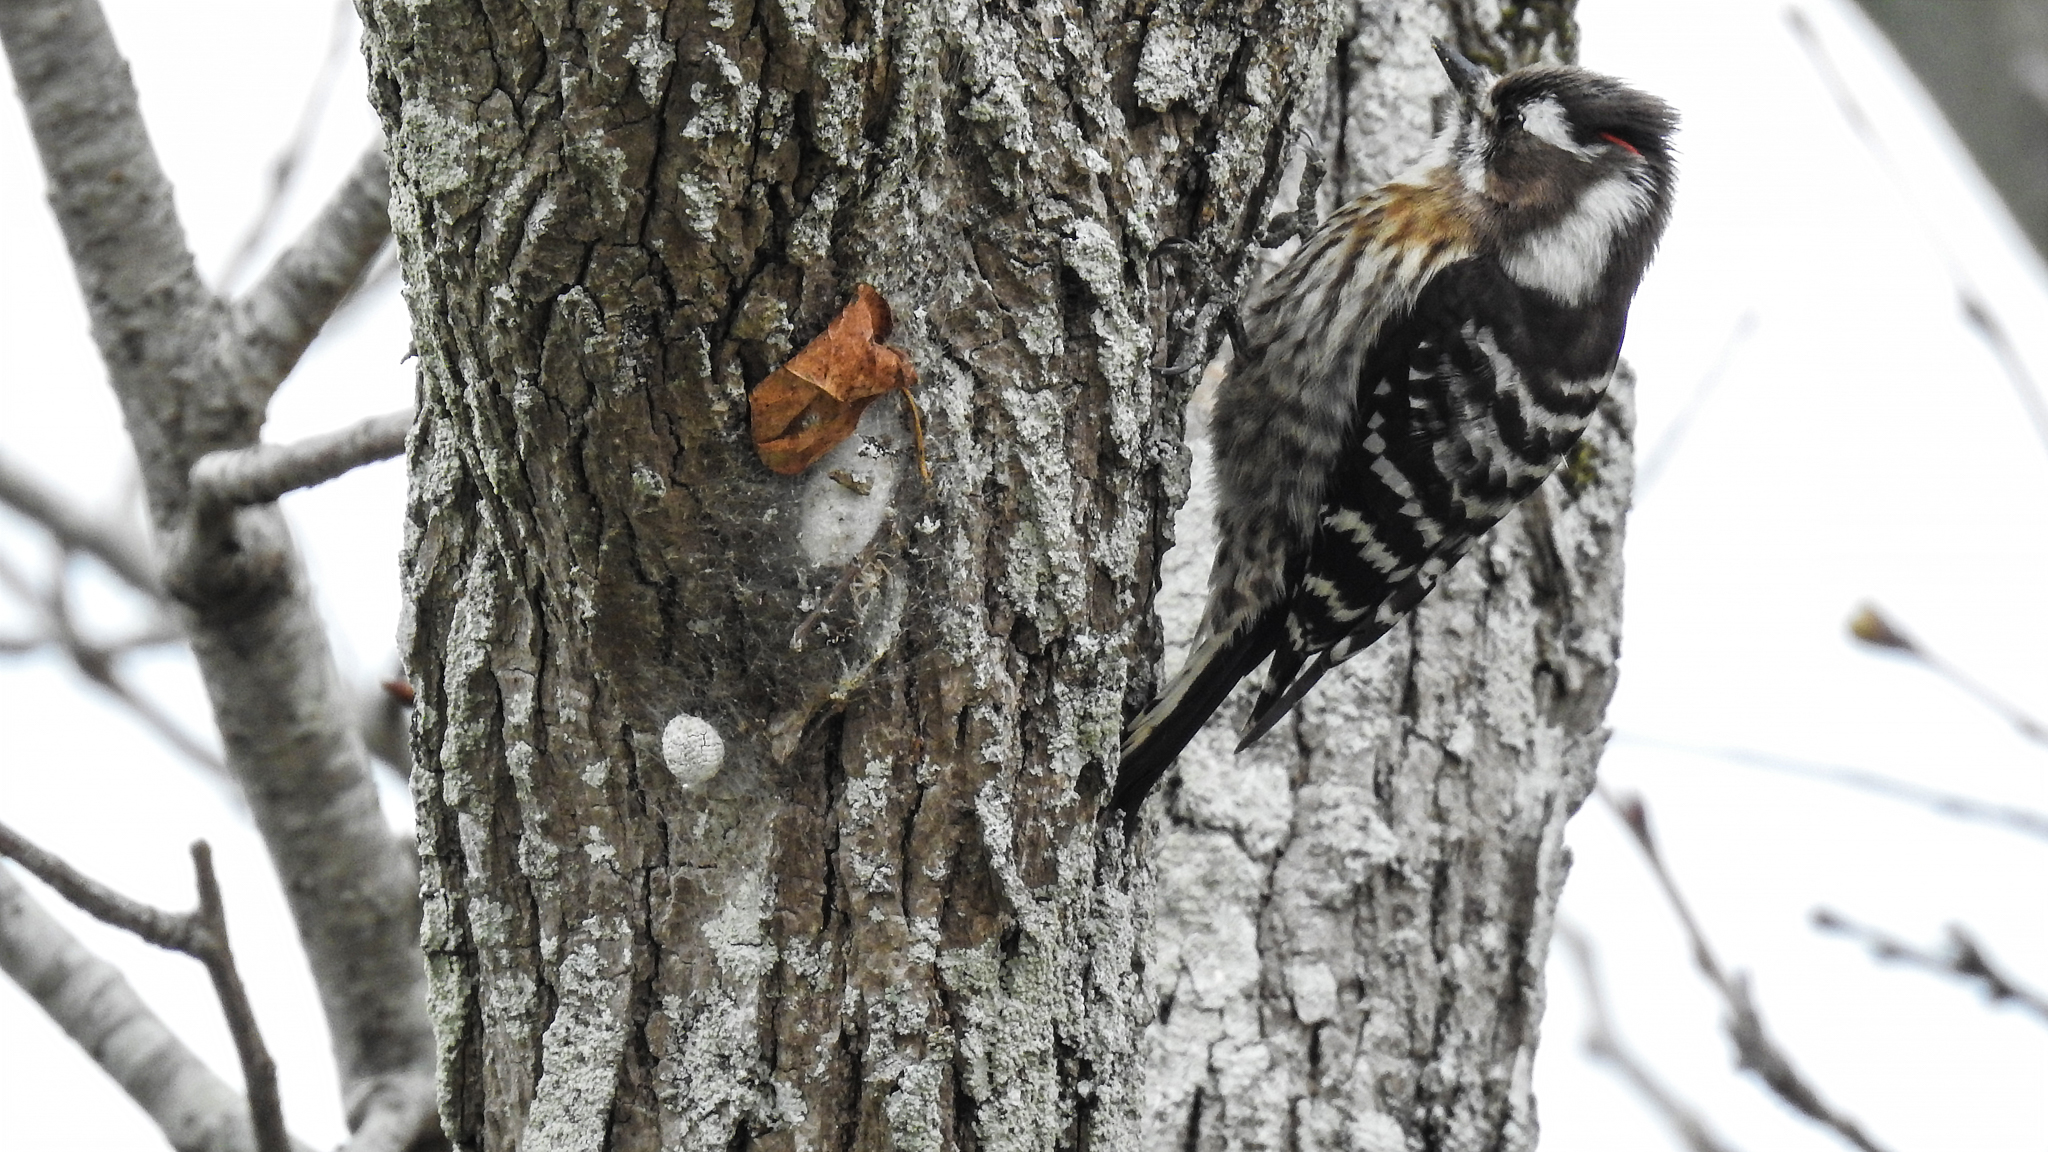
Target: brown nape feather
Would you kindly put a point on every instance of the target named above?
(1428, 218)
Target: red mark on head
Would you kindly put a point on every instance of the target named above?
(1618, 142)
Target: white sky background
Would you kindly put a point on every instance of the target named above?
(1862, 442)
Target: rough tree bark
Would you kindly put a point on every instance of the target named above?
(886, 916)
(1353, 916)
(875, 910)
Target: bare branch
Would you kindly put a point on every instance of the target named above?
(1872, 627)
(259, 1071)
(192, 380)
(1964, 957)
(263, 472)
(279, 317)
(97, 1008)
(290, 739)
(1941, 803)
(124, 554)
(109, 193)
(383, 271)
(164, 929)
(1755, 1050)
(14, 581)
(288, 732)
(1603, 1044)
(202, 935)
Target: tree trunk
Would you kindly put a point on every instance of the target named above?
(883, 915)
(1353, 916)
(759, 811)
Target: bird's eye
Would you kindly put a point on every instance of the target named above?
(1620, 143)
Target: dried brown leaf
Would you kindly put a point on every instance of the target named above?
(816, 398)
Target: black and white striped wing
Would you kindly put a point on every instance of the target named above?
(1451, 433)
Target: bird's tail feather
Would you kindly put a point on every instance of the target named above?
(1156, 738)
(1285, 686)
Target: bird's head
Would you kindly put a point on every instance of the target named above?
(1553, 148)
(1535, 140)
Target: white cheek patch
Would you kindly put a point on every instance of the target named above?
(1567, 259)
(1545, 120)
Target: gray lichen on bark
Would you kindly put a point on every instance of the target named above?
(888, 918)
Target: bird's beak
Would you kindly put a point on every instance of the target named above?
(1468, 78)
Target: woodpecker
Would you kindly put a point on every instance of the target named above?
(1413, 371)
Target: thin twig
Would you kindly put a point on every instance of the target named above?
(1963, 957)
(202, 935)
(1658, 458)
(260, 474)
(95, 662)
(1975, 309)
(169, 930)
(1755, 1050)
(153, 633)
(95, 1005)
(1948, 804)
(1603, 1044)
(122, 553)
(159, 721)
(289, 159)
(1978, 312)
(1872, 627)
(259, 1071)
(2022, 722)
(24, 589)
